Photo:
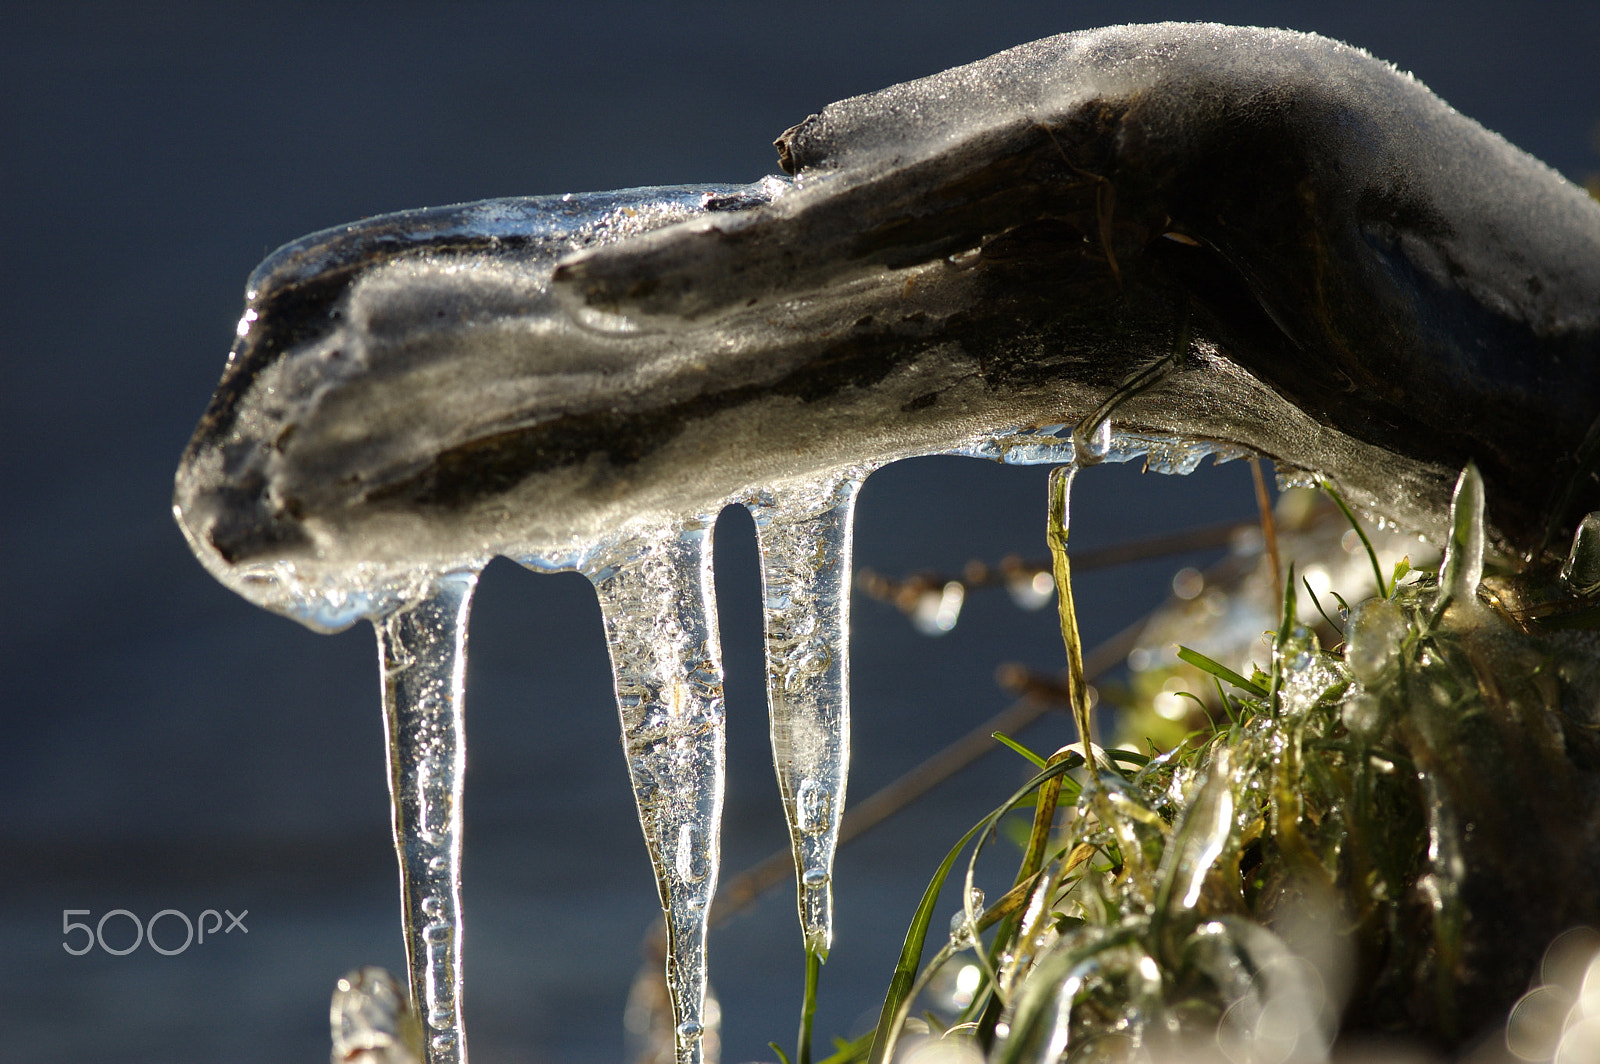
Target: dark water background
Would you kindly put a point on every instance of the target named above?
(166, 746)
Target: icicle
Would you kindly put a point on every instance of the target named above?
(1200, 838)
(422, 651)
(661, 627)
(1580, 573)
(1461, 569)
(804, 537)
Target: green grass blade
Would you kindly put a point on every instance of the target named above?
(808, 1007)
(897, 1000)
(1349, 515)
(1285, 628)
(847, 1051)
(1221, 672)
(1317, 602)
(1007, 741)
(1197, 700)
(1227, 710)
(1128, 757)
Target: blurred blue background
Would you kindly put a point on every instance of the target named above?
(166, 746)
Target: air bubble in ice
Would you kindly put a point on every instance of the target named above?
(692, 863)
(814, 805)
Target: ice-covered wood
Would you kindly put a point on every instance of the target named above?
(1378, 289)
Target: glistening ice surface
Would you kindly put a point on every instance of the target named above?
(422, 655)
(961, 265)
(661, 627)
(804, 536)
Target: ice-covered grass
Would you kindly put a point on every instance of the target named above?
(1372, 840)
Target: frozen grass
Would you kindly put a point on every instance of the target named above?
(1379, 837)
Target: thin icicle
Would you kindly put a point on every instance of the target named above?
(422, 651)
(661, 628)
(1461, 568)
(804, 536)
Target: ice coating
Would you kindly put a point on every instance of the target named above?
(371, 1020)
(1402, 276)
(991, 248)
(374, 358)
(1350, 278)
(804, 536)
(422, 655)
(657, 599)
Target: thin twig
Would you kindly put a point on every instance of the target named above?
(1269, 527)
(740, 891)
(979, 575)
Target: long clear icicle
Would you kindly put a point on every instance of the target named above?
(655, 594)
(804, 536)
(422, 651)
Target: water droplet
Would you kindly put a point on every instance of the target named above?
(1580, 1043)
(439, 1019)
(815, 877)
(438, 864)
(1589, 988)
(1534, 1029)
(689, 1031)
(937, 611)
(1569, 956)
(963, 934)
(1187, 583)
(1030, 590)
